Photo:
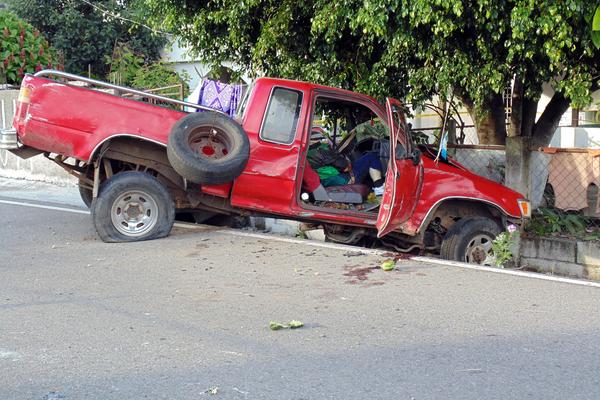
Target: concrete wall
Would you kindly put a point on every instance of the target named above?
(564, 257)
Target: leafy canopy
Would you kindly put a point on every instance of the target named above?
(412, 48)
(87, 31)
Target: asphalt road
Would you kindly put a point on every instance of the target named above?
(188, 315)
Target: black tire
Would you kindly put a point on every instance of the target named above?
(152, 209)
(86, 195)
(208, 148)
(469, 240)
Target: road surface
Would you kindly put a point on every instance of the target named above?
(187, 317)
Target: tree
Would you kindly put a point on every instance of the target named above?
(85, 32)
(22, 49)
(410, 48)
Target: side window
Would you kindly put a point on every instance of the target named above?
(281, 118)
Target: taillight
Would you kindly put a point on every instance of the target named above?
(22, 105)
(525, 207)
(24, 95)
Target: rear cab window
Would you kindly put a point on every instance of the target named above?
(280, 123)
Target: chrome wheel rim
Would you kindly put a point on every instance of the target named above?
(479, 250)
(134, 213)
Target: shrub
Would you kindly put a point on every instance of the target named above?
(159, 74)
(22, 49)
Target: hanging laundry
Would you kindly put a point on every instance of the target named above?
(217, 95)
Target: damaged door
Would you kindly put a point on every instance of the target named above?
(404, 175)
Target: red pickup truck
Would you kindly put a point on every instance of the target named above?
(139, 163)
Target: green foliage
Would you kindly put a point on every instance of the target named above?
(595, 33)
(503, 245)
(22, 49)
(129, 69)
(551, 222)
(159, 75)
(124, 65)
(86, 32)
(385, 47)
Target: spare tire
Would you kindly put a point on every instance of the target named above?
(208, 148)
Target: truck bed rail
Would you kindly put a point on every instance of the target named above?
(46, 73)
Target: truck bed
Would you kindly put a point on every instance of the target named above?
(74, 121)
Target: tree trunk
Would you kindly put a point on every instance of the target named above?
(529, 114)
(516, 115)
(544, 128)
(491, 126)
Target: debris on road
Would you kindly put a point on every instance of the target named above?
(275, 326)
(53, 395)
(388, 265)
(213, 391)
(293, 324)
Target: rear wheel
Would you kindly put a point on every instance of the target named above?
(84, 190)
(470, 240)
(86, 195)
(132, 206)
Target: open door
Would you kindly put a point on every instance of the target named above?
(404, 176)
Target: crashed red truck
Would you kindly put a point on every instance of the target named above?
(139, 163)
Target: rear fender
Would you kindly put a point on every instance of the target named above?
(138, 150)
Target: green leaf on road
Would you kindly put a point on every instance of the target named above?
(388, 265)
(295, 324)
(275, 326)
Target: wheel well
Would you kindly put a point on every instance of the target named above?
(450, 211)
(124, 153)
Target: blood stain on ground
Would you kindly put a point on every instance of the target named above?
(358, 274)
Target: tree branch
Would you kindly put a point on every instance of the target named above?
(548, 122)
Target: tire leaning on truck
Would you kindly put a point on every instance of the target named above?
(208, 148)
(132, 206)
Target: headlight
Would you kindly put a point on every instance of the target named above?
(525, 207)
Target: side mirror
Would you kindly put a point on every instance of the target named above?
(415, 156)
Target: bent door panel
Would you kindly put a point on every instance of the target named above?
(403, 179)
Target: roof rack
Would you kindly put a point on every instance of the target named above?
(46, 73)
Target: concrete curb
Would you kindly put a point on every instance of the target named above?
(513, 272)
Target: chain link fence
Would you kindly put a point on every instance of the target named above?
(569, 203)
(563, 186)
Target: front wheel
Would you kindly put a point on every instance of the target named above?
(132, 206)
(470, 240)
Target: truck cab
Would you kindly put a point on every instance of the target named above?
(280, 131)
